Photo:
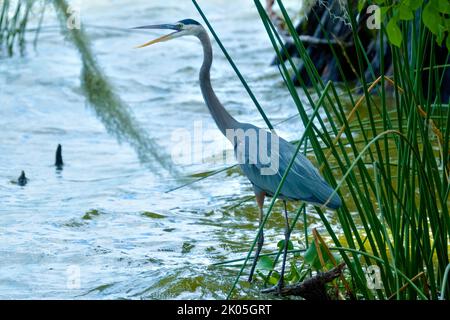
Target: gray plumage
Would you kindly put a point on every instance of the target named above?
(303, 181)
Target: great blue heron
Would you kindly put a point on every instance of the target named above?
(303, 181)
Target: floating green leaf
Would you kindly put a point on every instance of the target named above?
(274, 278)
(311, 256)
(90, 214)
(405, 12)
(187, 247)
(431, 18)
(265, 263)
(280, 245)
(414, 4)
(153, 215)
(394, 33)
(443, 6)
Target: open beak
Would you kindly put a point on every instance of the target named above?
(163, 38)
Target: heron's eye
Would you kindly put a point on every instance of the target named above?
(180, 26)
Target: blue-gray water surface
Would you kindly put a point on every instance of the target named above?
(104, 227)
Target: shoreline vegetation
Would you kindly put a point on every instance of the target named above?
(381, 138)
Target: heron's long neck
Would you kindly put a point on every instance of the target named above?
(221, 116)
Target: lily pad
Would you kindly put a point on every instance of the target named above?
(90, 214)
(311, 257)
(265, 263)
(280, 245)
(187, 247)
(153, 215)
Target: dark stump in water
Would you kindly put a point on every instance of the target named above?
(58, 158)
(22, 181)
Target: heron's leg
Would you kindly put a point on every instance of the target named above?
(260, 201)
(287, 234)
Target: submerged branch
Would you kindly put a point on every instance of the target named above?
(312, 288)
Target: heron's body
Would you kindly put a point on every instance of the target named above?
(303, 181)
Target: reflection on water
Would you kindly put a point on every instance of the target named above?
(109, 108)
(105, 216)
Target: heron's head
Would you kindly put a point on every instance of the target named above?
(186, 27)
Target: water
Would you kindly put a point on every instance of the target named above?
(104, 227)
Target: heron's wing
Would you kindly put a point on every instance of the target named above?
(303, 181)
